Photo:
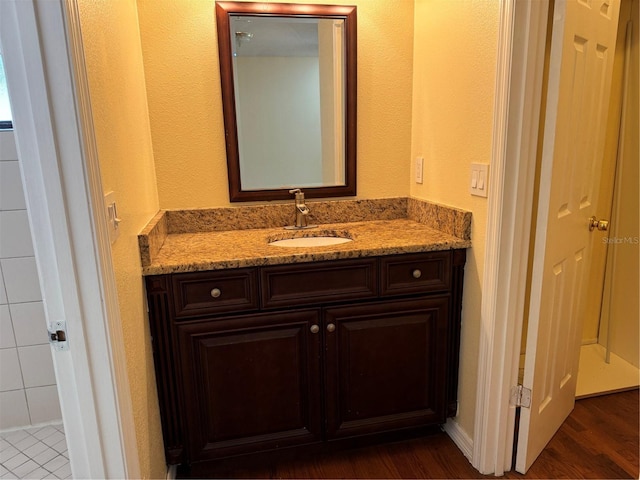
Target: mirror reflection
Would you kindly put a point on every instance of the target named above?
(289, 80)
(288, 85)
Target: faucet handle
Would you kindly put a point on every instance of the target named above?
(301, 211)
(298, 193)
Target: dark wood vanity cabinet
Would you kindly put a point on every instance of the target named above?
(255, 359)
(250, 383)
(385, 366)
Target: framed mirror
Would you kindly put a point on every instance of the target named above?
(288, 74)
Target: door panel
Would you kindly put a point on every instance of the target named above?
(386, 366)
(579, 86)
(251, 382)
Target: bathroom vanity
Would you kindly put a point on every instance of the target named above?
(259, 347)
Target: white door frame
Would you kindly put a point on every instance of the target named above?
(519, 78)
(56, 146)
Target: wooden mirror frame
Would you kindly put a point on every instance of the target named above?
(224, 10)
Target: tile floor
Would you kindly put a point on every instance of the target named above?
(34, 453)
(595, 377)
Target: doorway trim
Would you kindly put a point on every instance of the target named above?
(519, 79)
(60, 171)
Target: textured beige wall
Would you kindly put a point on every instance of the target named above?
(114, 66)
(455, 51)
(180, 53)
(181, 135)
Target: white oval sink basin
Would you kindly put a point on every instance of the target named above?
(309, 241)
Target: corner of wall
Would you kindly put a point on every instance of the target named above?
(455, 53)
(127, 167)
(460, 437)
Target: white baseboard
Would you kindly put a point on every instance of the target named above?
(30, 426)
(461, 438)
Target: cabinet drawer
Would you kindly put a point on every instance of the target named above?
(215, 292)
(419, 273)
(312, 283)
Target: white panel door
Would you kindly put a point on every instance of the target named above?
(583, 43)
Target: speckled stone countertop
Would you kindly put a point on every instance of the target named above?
(168, 245)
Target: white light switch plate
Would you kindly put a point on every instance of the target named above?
(111, 212)
(479, 179)
(419, 169)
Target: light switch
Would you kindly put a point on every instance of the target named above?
(111, 211)
(479, 179)
(419, 169)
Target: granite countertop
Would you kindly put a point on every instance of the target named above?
(191, 251)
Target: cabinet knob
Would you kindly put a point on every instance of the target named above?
(216, 292)
(416, 273)
(314, 329)
(331, 327)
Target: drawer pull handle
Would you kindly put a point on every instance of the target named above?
(314, 329)
(417, 273)
(331, 327)
(216, 292)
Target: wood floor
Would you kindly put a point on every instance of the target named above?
(599, 440)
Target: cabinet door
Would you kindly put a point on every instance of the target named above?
(386, 365)
(251, 383)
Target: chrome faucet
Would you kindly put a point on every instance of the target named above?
(301, 211)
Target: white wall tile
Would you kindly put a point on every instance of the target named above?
(21, 279)
(7, 340)
(11, 191)
(8, 146)
(29, 324)
(10, 377)
(3, 292)
(15, 234)
(44, 404)
(37, 366)
(25, 353)
(13, 410)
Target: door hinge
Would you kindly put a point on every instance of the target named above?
(58, 335)
(520, 396)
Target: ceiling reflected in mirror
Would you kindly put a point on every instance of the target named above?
(274, 36)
